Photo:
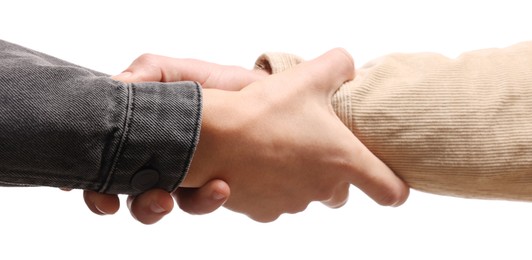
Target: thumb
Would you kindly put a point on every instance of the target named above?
(375, 178)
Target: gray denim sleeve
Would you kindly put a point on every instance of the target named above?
(63, 125)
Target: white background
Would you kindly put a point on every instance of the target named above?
(45, 223)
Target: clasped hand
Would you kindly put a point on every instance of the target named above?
(268, 144)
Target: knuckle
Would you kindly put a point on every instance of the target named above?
(264, 218)
(344, 56)
(339, 198)
(324, 194)
(337, 202)
(147, 67)
(146, 58)
(327, 191)
(394, 197)
(147, 61)
(298, 208)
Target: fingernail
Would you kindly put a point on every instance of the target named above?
(218, 196)
(156, 208)
(100, 210)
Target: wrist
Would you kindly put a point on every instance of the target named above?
(209, 157)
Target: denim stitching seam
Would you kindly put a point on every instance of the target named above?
(123, 138)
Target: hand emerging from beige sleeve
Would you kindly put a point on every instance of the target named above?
(451, 126)
(279, 144)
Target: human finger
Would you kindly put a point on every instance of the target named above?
(100, 203)
(328, 71)
(156, 68)
(203, 200)
(375, 178)
(339, 197)
(150, 206)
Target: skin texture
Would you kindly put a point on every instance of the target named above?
(257, 141)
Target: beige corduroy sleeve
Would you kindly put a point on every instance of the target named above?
(459, 127)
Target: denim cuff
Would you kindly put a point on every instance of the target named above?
(161, 132)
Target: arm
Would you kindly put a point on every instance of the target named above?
(66, 126)
(458, 127)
